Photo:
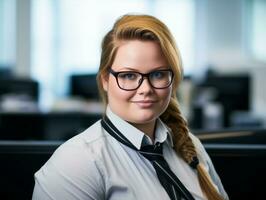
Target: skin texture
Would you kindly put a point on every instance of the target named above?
(143, 106)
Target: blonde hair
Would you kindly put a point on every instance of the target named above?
(149, 28)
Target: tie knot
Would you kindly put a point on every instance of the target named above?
(152, 152)
(156, 148)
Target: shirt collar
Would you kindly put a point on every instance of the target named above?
(137, 137)
(163, 133)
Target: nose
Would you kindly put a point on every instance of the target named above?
(145, 86)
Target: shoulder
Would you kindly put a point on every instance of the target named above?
(76, 165)
(198, 145)
(201, 152)
(80, 149)
(81, 144)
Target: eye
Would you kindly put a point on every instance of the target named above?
(128, 76)
(157, 75)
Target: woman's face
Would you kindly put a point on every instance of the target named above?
(145, 104)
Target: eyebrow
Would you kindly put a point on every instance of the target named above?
(156, 68)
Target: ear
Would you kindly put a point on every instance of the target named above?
(105, 82)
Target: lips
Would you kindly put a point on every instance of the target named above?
(145, 103)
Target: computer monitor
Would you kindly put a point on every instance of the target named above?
(233, 92)
(19, 86)
(5, 72)
(84, 85)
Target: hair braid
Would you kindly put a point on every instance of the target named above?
(182, 142)
(184, 146)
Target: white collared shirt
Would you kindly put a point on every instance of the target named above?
(94, 165)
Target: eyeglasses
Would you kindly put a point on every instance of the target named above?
(130, 80)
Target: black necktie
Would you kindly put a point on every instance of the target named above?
(173, 186)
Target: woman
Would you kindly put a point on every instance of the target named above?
(142, 148)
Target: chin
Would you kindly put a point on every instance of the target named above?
(145, 118)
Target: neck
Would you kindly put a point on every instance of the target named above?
(147, 128)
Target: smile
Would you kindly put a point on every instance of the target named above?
(145, 103)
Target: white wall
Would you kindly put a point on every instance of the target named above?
(220, 32)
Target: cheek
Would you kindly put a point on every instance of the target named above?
(165, 95)
(115, 94)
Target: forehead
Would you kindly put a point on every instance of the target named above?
(139, 55)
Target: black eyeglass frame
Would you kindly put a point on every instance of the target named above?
(147, 75)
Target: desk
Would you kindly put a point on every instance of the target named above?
(44, 126)
(233, 136)
(64, 125)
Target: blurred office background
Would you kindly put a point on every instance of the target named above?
(50, 50)
(49, 57)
